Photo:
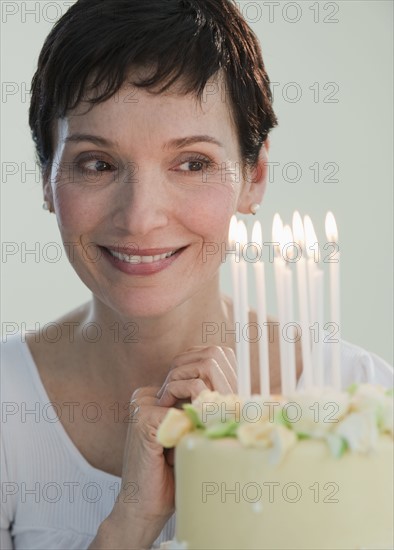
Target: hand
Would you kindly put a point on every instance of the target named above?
(145, 462)
(147, 476)
(197, 369)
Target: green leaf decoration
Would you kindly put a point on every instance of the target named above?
(343, 448)
(380, 416)
(338, 446)
(280, 417)
(301, 435)
(191, 413)
(223, 429)
(353, 388)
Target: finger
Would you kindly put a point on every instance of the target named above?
(142, 433)
(208, 370)
(201, 352)
(225, 357)
(145, 391)
(143, 400)
(134, 408)
(230, 355)
(229, 366)
(146, 395)
(181, 389)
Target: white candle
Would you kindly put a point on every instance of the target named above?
(313, 257)
(332, 236)
(244, 387)
(291, 379)
(259, 272)
(234, 263)
(298, 233)
(317, 350)
(316, 293)
(279, 266)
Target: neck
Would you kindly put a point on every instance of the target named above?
(139, 351)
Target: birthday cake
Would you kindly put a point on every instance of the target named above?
(312, 470)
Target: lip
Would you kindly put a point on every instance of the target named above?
(142, 269)
(136, 251)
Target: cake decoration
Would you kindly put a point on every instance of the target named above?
(347, 421)
(305, 472)
(301, 469)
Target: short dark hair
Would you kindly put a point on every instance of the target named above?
(96, 42)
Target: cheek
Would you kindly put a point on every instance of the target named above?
(208, 216)
(76, 211)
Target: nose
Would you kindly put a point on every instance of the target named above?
(142, 202)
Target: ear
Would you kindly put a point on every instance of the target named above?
(47, 188)
(255, 181)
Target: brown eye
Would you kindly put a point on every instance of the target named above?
(97, 165)
(101, 165)
(194, 166)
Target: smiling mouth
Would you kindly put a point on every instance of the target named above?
(143, 259)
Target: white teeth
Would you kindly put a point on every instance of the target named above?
(140, 259)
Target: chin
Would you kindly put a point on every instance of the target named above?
(144, 308)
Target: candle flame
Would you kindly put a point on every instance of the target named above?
(287, 236)
(233, 230)
(277, 229)
(331, 228)
(298, 229)
(242, 233)
(310, 236)
(257, 234)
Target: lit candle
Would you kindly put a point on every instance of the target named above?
(259, 272)
(234, 263)
(313, 256)
(332, 236)
(298, 232)
(291, 378)
(316, 294)
(244, 385)
(279, 266)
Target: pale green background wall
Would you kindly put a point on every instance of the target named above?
(300, 46)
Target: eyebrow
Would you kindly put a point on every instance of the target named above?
(176, 143)
(97, 140)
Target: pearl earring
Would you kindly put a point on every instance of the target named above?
(46, 205)
(254, 207)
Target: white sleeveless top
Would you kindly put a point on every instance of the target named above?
(51, 497)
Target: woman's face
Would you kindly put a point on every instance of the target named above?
(131, 176)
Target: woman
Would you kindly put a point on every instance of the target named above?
(151, 123)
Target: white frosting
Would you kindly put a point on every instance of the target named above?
(307, 471)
